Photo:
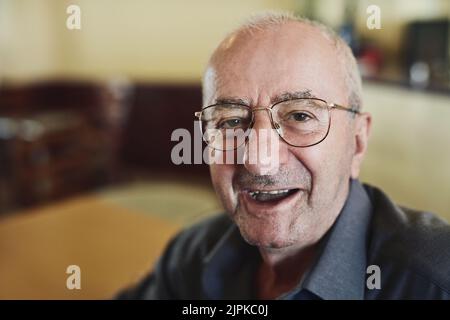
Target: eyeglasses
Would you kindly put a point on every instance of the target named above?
(301, 122)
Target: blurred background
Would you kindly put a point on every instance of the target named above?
(86, 118)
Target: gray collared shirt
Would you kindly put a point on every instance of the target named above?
(409, 251)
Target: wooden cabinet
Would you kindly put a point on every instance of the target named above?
(55, 154)
(56, 139)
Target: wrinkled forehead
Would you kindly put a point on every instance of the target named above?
(261, 64)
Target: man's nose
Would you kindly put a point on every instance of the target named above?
(264, 150)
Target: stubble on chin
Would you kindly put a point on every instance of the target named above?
(275, 231)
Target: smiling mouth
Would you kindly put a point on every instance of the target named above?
(272, 195)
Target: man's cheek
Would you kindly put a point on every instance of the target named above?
(222, 178)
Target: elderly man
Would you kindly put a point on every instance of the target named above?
(301, 227)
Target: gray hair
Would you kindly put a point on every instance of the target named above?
(263, 21)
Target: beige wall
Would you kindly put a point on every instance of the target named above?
(28, 46)
(409, 151)
(145, 40)
(159, 40)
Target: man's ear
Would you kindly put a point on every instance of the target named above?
(363, 124)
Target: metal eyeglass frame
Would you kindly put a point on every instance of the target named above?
(276, 126)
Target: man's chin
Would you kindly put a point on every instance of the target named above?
(264, 239)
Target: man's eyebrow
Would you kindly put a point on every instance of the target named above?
(293, 95)
(232, 100)
(280, 97)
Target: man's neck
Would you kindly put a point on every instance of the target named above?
(281, 270)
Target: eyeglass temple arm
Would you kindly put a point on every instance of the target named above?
(337, 106)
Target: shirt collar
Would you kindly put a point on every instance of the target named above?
(339, 271)
(229, 267)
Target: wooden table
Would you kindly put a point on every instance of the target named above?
(114, 246)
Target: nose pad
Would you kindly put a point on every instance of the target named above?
(277, 128)
(273, 124)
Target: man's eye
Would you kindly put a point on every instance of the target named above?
(230, 123)
(299, 116)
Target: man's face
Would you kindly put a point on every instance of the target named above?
(257, 68)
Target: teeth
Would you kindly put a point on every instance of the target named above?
(255, 193)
